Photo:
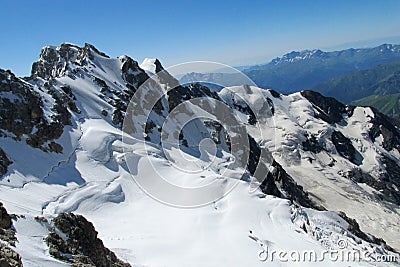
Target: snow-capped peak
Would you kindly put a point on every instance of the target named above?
(151, 65)
(56, 61)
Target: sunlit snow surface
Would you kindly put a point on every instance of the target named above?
(92, 178)
(146, 232)
(294, 115)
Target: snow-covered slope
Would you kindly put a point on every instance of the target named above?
(333, 151)
(98, 171)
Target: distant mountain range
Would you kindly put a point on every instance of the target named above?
(348, 75)
(298, 71)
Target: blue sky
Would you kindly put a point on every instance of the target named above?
(235, 32)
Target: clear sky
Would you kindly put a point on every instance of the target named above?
(230, 32)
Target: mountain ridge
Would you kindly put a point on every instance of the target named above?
(296, 71)
(92, 173)
(318, 53)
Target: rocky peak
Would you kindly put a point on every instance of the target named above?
(158, 65)
(329, 109)
(56, 61)
(132, 72)
(89, 49)
(152, 65)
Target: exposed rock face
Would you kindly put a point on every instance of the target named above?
(4, 162)
(54, 61)
(274, 93)
(244, 108)
(81, 247)
(312, 144)
(354, 228)
(168, 101)
(8, 257)
(7, 233)
(22, 113)
(345, 148)
(5, 218)
(390, 180)
(288, 187)
(384, 184)
(277, 181)
(132, 73)
(385, 126)
(329, 109)
(134, 76)
(180, 94)
(21, 107)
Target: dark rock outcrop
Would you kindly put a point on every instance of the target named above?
(82, 246)
(391, 180)
(4, 162)
(274, 93)
(174, 97)
(354, 228)
(312, 144)
(245, 109)
(8, 257)
(132, 73)
(345, 148)
(22, 113)
(276, 181)
(180, 94)
(21, 107)
(388, 128)
(134, 77)
(7, 232)
(386, 184)
(329, 109)
(289, 189)
(5, 218)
